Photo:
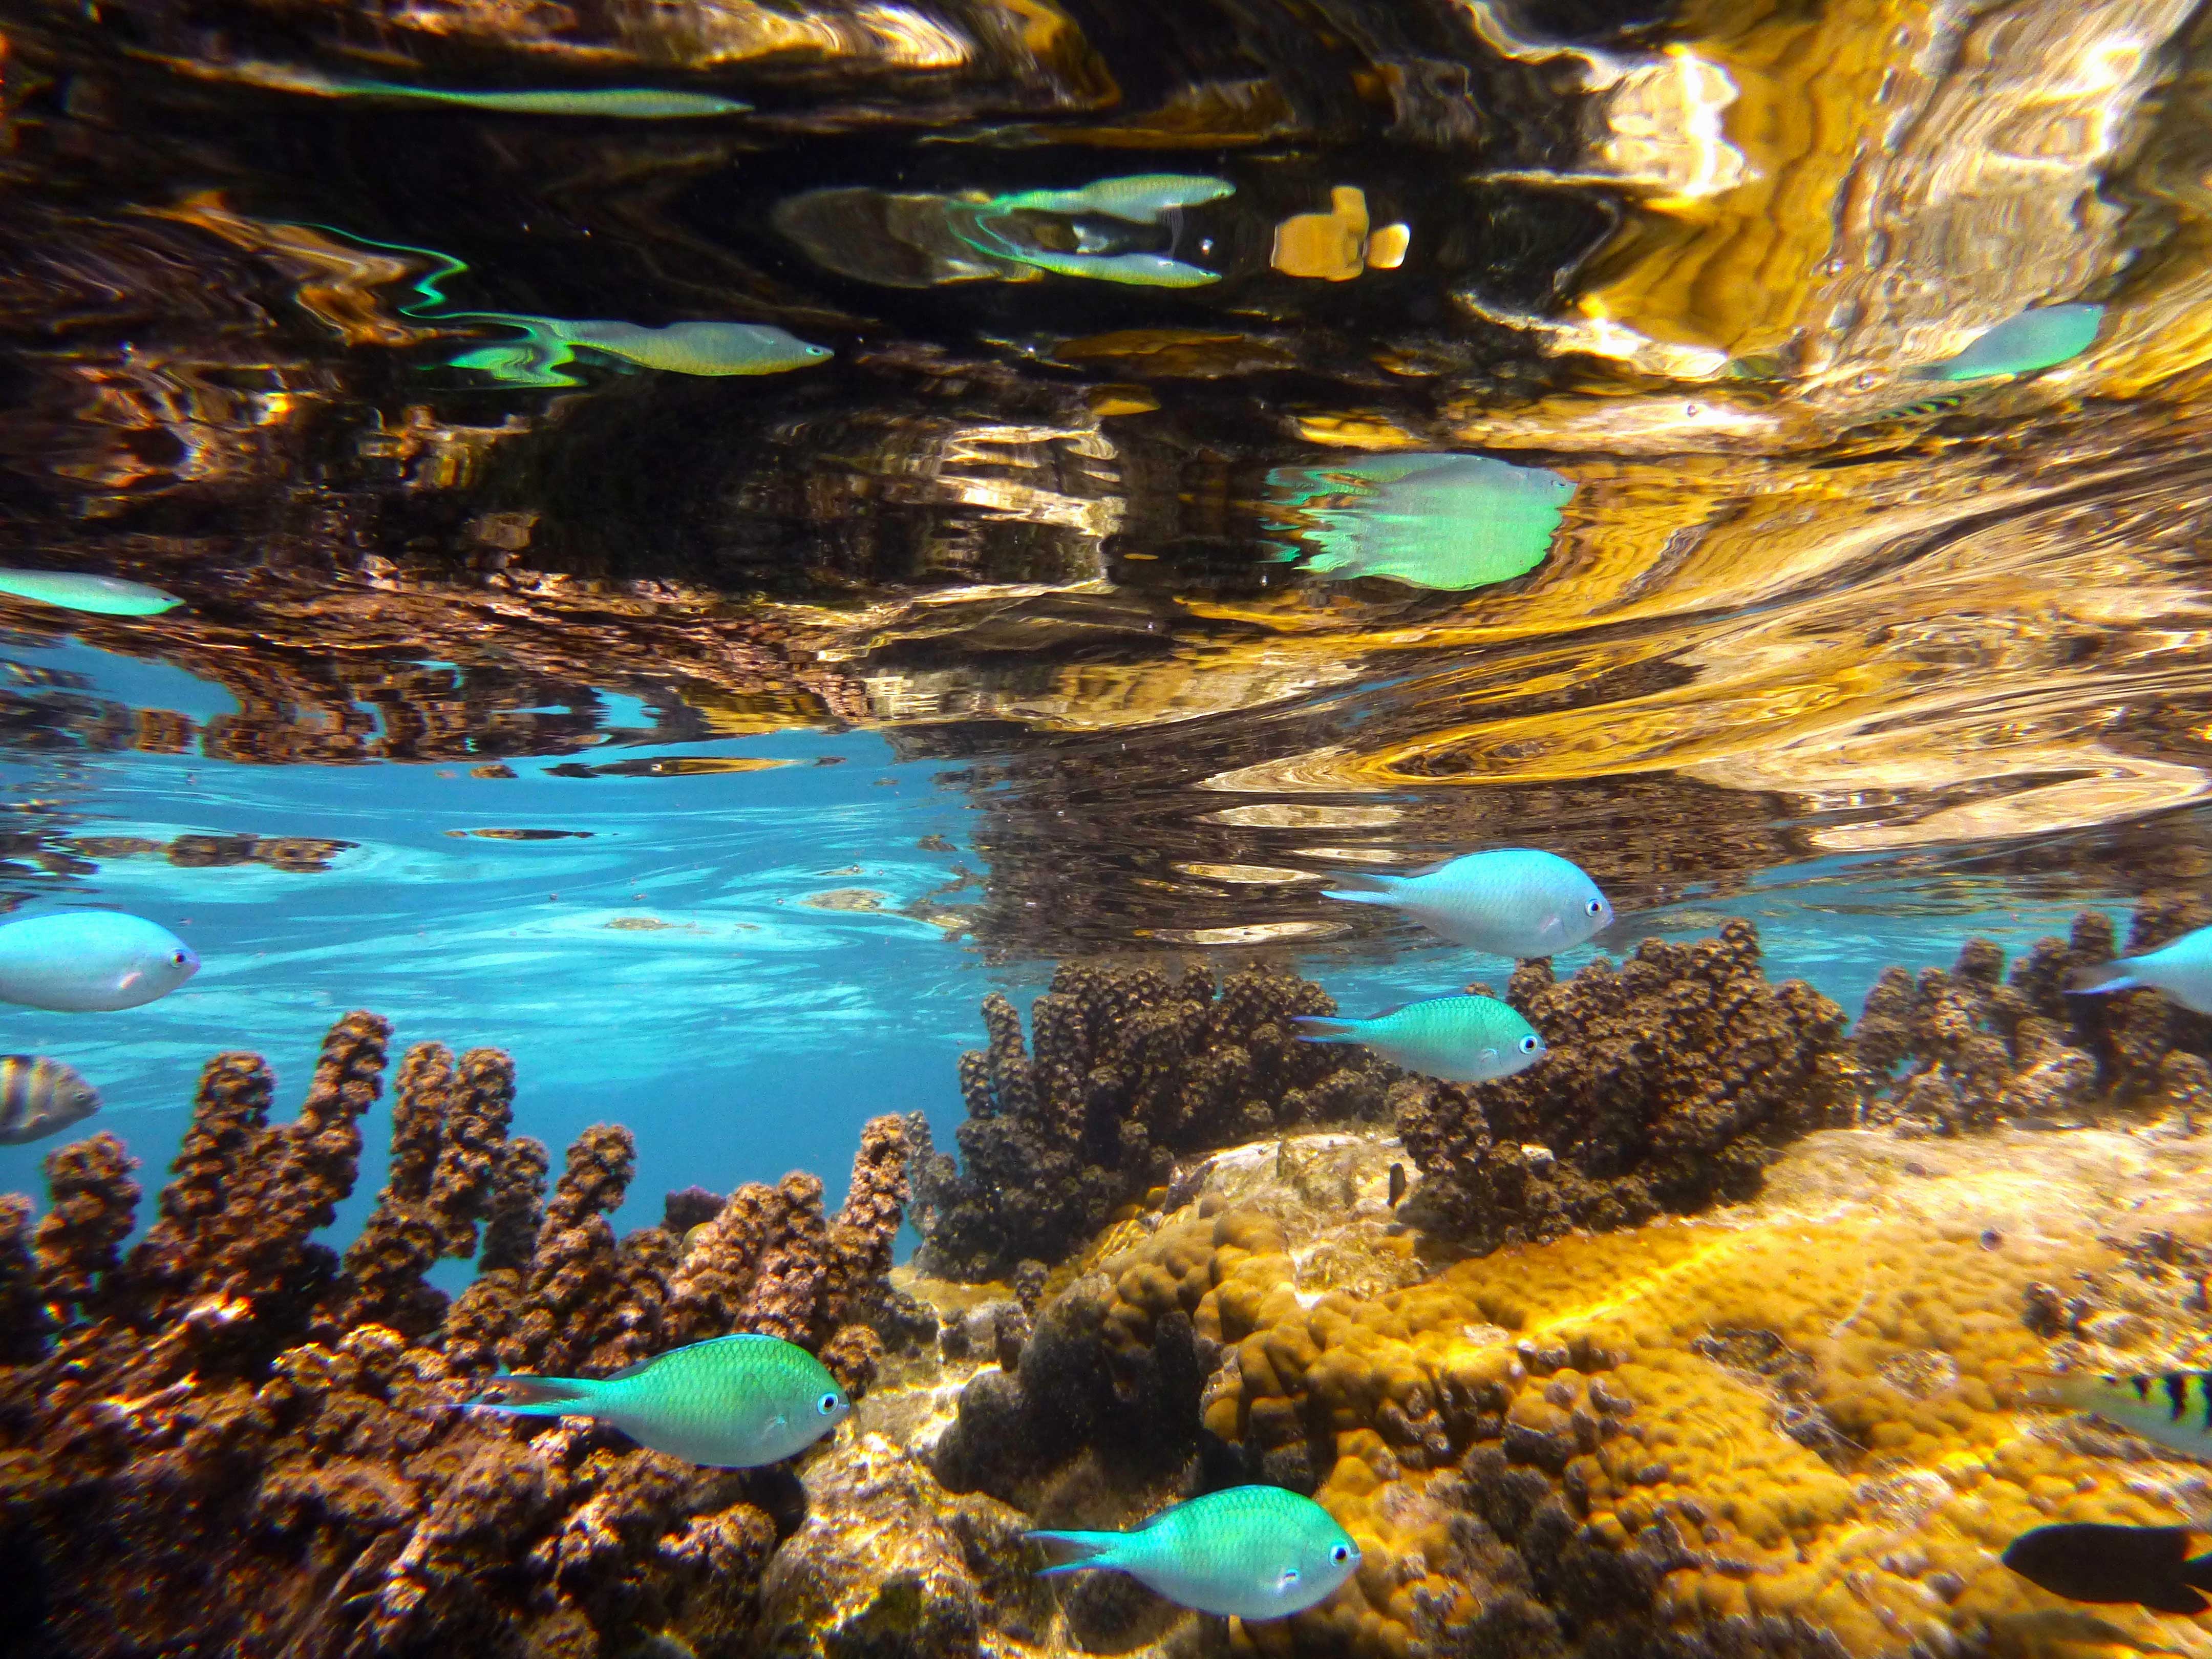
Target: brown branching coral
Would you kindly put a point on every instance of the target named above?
(22, 1315)
(1669, 1082)
(1974, 1046)
(1130, 1069)
(230, 1440)
(769, 1262)
(447, 1134)
(95, 1204)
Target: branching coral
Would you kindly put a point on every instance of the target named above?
(231, 1440)
(1669, 1085)
(1949, 1052)
(1130, 1069)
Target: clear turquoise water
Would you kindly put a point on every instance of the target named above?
(750, 1033)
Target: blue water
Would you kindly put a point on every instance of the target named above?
(743, 1033)
(746, 1035)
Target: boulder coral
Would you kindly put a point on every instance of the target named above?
(1670, 1083)
(1131, 1069)
(230, 1437)
(1806, 1426)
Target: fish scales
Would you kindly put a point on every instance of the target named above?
(40, 1097)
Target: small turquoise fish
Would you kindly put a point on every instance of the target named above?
(2182, 970)
(687, 347)
(618, 103)
(2040, 338)
(1137, 269)
(103, 596)
(1460, 1039)
(2174, 1409)
(1443, 521)
(1250, 1552)
(1516, 901)
(78, 961)
(1144, 198)
(40, 1098)
(734, 1402)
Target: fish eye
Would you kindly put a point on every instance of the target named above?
(1340, 1553)
(827, 1403)
(180, 958)
(1528, 1044)
(1595, 907)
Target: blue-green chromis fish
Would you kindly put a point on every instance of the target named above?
(619, 103)
(1458, 1039)
(2041, 338)
(2174, 1409)
(1144, 198)
(735, 1402)
(103, 596)
(1253, 1551)
(1137, 269)
(1515, 901)
(81, 962)
(1447, 522)
(2182, 970)
(688, 347)
(40, 1098)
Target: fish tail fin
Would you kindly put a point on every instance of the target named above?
(1373, 890)
(540, 1396)
(2115, 975)
(1093, 1549)
(1317, 1027)
(2197, 1573)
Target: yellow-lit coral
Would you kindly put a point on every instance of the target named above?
(1812, 1414)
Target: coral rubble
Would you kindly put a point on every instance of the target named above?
(1670, 1083)
(231, 1438)
(1130, 1069)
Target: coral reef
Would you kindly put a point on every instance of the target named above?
(1804, 1426)
(1950, 1052)
(1670, 1083)
(231, 1438)
(1131, 1068)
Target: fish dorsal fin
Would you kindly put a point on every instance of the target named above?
(631, 1369)
(1385, 1014)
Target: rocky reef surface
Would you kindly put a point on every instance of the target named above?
(1709, 1338)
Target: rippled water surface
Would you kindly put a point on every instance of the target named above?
(710, 537)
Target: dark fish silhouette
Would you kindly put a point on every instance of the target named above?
(1397, 1183)
(2084, 1561)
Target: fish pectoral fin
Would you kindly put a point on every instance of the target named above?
(779, 1422)
(1489, 1056)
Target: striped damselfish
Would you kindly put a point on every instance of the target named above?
(733, 1402)
(1253, 1551)
(40, 1098)
(2174, 1409)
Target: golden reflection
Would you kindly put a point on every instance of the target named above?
(1336, 245)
